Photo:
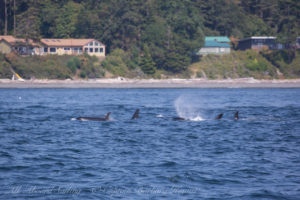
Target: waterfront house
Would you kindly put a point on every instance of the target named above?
(10, 44)
(73, 47)
(259, 43)
(217, 45)
(5, 46)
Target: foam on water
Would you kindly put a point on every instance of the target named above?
(198, 118)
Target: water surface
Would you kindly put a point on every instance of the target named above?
(44, 154)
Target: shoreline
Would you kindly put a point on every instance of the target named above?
(151, 83)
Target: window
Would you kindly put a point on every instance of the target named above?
(67, 49)
(86, 49)
(80, 50)
(91, 50)
(75, 49)
(91, 44)
(52, 50)
(101, 50)
(96, 44)
(96, 49)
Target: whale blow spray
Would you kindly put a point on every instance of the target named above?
(186, 107)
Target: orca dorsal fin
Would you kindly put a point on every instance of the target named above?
(219, 116)
(236, 115)
(107, 116)
(136, 114)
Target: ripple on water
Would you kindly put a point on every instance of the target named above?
(256, 157)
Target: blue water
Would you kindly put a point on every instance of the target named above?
(46, 154)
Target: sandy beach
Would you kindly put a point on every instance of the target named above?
(151, 83)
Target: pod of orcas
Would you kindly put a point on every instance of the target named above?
(136, 116)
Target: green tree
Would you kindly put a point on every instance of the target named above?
(67, 20)
(28, 25)
(175, 62)
(147, 64)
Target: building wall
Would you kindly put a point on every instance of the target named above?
(94, 49)
(91, 50)
(245, 44)
(24, 50)
(263, 44)
(214, 50)
(4, 47)
(259, 44)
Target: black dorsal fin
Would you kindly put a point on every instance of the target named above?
(236, 115)
(136, 114)
(219, 116)
(107, 116)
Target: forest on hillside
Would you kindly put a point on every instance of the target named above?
(152, 34)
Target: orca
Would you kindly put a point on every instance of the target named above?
(179, 119)
(105, 118)
(236, 115)
(219, 116)
(136, 114)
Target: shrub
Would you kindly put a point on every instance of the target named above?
(256, 65)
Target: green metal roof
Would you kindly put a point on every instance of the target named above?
(217, 38)
(219, 41)
(216, 44)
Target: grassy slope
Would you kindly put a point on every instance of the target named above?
(290, 67)
(238, 64)
(51, 67)
(4, 68)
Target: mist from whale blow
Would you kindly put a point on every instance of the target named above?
(186, 108)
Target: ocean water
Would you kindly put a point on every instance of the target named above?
(46, 154)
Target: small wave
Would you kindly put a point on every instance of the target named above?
(36, 106)
(159, 116)
(73, 119)
(111, 119)
(168, 164)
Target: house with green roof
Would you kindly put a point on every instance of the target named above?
(217, 45)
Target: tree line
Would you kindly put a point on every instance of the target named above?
(157, 34)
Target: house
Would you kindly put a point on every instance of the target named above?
(217, 45)
(10, 44)
(259, 43)
(5, 45)
(73, 47)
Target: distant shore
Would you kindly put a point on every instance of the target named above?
(151, 83)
